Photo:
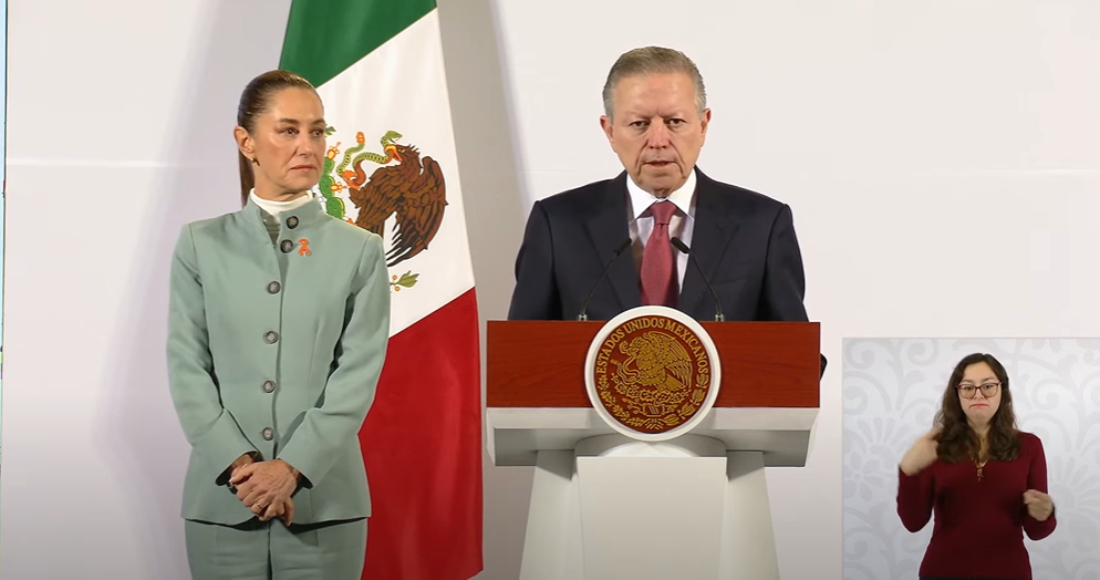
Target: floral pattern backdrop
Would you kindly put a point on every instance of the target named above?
(891, 391)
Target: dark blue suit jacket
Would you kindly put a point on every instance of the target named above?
(743, 240)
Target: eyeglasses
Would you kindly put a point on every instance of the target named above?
(968, 391)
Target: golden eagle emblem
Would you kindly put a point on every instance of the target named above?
(658, 367)
(413, 190)
(652, 374)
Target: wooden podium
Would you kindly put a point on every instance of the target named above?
(605, 506)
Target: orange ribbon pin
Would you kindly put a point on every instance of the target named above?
(304, 250)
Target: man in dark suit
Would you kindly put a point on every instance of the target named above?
(656, 121)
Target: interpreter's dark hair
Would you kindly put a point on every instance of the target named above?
(958, 442)
(255, 100)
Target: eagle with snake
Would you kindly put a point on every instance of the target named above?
(414, 190)
(660, 364)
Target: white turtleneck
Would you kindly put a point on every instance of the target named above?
(271, 209)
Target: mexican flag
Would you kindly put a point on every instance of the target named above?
(391, 168)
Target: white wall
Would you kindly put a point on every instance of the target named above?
(3, 91)
(119, 131)
(941, 160)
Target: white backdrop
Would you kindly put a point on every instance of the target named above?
(940, 157)
(892, 390)
(120, 118)
(3, 90)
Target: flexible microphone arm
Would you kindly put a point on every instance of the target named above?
(680, 245)
(618, 252)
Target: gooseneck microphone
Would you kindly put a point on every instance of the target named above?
(680, 245)
(618, 252)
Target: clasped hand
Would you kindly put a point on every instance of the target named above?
(265, 488)
(1039, 505)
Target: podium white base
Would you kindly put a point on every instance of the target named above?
(614, 508)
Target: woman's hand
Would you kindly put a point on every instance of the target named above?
(1039, 505)
(264, 485)
(283, 510)
(922, 453)
(239, 463)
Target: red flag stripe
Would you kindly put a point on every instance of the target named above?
(422, 447)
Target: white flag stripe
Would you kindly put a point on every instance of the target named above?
(401, 86)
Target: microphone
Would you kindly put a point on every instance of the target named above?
(680, 245)
(618, 252)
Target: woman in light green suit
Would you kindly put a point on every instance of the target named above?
(278, 325)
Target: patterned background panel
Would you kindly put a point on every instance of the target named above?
(891, 392)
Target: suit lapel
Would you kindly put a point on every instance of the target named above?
(607, 228)
(709, 241)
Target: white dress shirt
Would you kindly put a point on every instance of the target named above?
(681, 225)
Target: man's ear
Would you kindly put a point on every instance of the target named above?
(608, 129)
(704, 121)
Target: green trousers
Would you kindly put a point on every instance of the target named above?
(270, 550)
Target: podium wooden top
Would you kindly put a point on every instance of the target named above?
(764, 364)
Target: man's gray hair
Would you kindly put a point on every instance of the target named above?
(652, 60)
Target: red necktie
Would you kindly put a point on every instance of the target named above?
(658, 268)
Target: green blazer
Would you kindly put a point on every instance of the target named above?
(275, 348)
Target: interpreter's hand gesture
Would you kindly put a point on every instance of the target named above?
(922, 453)
(1039, 505)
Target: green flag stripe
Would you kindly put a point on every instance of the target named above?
(324, 37)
